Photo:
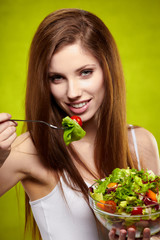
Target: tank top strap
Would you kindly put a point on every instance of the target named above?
(135, 146)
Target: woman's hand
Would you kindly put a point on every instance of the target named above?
(7, 136)
(130, 232)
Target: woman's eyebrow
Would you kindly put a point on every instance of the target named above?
(77, 70)
(54, 73)
(84, 66)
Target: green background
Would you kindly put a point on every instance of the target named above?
(135, 26)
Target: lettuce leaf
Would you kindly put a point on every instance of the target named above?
(72, 131)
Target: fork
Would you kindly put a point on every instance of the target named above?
(39, 121)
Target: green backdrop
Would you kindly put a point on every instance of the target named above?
(135, 26)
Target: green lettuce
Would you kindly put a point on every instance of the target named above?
(72, 131)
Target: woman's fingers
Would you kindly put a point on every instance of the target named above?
(7, 131)
(132, 231)
(112, 234)
(6, 144)
(6, 124)
(146, 234)
(122, 235)
(7, 136)
(4, 117)
(131, 234)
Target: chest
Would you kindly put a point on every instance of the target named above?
(88, 168)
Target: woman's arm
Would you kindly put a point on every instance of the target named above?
(7, 136)
(11, 172)
(13, 161)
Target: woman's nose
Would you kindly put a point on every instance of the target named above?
(73, 89)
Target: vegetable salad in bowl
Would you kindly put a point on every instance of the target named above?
(127, 198)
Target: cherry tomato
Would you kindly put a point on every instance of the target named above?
(107, 206)
(77, 119)
(137, 211)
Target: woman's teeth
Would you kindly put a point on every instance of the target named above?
(79, 105)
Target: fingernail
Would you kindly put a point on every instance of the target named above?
(9, 115)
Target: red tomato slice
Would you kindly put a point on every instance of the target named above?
(77, 119)
(137, 211)
(110, 207)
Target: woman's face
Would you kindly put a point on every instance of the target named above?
(76, 81)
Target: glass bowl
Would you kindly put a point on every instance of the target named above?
(109, 218)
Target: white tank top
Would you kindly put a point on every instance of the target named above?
(58, 221)
(72, 219)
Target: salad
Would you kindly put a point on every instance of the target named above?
(127, 191)
(73, 130)
(127, 198)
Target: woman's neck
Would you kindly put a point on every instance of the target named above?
(85, 149)
(91, 129)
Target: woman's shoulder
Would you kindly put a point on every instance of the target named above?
(23, 154)
(146, 140)
(24, 144)
(38, 179)
(147, 149)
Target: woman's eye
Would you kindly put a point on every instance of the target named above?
(55, 78)
(86, 72)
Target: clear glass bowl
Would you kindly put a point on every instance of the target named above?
(104, 214)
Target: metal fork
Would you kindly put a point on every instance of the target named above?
(39, 121)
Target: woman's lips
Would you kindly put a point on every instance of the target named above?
(78, 108)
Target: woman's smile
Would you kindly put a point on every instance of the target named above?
(76, 81)
(79, 108)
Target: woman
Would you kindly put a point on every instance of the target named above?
(74, 69)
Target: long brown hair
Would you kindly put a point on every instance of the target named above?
(61, 28)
